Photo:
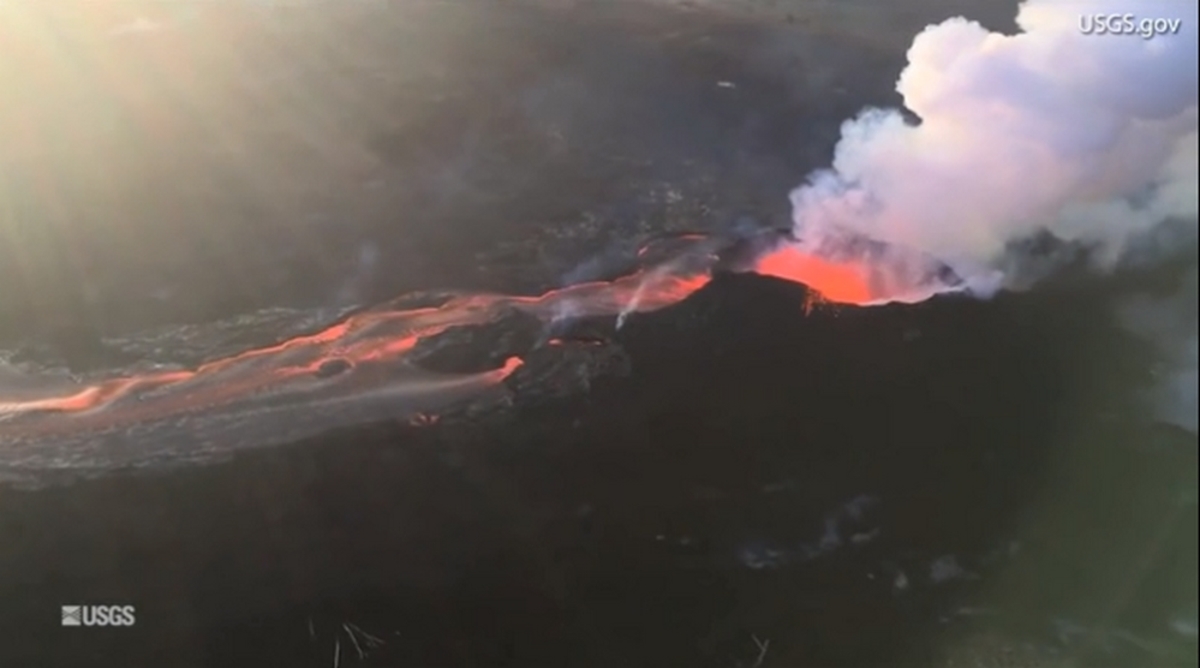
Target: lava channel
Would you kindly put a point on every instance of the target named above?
(354, 371)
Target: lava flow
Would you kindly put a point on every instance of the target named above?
(354, 371)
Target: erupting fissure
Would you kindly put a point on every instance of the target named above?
(837, 282)
(365, 359)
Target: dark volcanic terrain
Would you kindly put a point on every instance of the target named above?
(889, 486)
(749, 478)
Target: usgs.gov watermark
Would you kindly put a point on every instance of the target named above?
(98, 615)
(1146, 27)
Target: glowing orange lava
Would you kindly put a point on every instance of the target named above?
(365, 344)
(510, 365)
(842, 283)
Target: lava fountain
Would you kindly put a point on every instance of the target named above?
(837, 282)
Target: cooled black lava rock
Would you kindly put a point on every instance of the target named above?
(477, 348)
(589, 328)
(415, 300)
(77, 347)
(333, 367)
(557, 372)
(564, 368)
(732, 304)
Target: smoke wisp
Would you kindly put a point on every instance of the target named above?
(1170, 324)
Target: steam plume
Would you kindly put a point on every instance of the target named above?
(1171, 325)
(1090, 138)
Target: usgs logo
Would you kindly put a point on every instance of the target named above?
(1128, 24)
(97, 615)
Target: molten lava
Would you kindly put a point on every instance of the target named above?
(356, 369)
(838, 282)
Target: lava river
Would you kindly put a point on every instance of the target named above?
(351, 372)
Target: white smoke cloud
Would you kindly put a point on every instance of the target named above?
(1092, 138)
(139, 25)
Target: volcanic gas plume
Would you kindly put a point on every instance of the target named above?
(1090, 138)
